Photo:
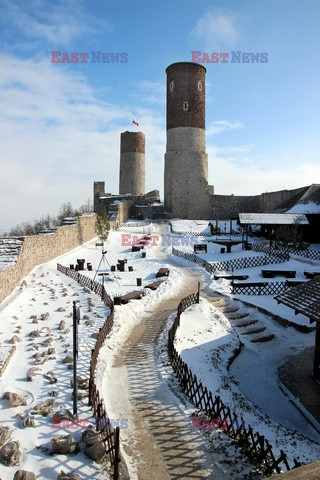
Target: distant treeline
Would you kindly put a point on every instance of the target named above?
(49, 221)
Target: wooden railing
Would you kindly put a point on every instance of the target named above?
(103, 425)
(256, 446)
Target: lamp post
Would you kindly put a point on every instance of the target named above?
(76, 320)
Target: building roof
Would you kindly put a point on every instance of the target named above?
(273, 219)
(304, 298)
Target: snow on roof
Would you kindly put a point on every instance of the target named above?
(310, 207)
(304, 299)
(273, 218)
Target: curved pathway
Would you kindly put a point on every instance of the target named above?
(160, 442)
(171, 449)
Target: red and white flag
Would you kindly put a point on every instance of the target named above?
(135, 123)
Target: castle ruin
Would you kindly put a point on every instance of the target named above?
(186, 191)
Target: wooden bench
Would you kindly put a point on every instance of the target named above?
(250, 284)
(311, 275)
(163, 272)
(200, 248)
(136, 295)
(293, 283)
(283, 273)
(154, 285)
(231, 277)
(136, 248)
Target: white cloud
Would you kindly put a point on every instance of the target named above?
(238, 171)
(57, 138)
(54, 22)
(215, 30)
(220, 126)
(150, 92)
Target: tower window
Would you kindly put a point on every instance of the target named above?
(199, 86)
(171, 86)
(185, 105)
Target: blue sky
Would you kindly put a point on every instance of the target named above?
(61, 123)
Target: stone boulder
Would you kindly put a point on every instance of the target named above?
(5, 435)
(28, 421)
(24, 475)
(62, 325)
(15, 339)
(10, 453)
(68, 476)
(62, 414)
(67, 359)
(64, 445)
(95, 446)
(44, 408)
(14, 399)
(34, 333)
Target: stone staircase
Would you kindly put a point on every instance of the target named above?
(9, 251)
(246, 326)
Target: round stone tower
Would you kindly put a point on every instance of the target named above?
(132, 163)
(186, 190)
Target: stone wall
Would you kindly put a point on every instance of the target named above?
(38, 249)
(229, 206)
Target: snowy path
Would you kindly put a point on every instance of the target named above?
(170, 448)
(159, 442)
(162, 443)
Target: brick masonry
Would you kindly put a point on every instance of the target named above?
(185, 83)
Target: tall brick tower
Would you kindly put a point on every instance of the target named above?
(132, 163)
(186, 190)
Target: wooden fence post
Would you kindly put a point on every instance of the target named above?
(117, 460)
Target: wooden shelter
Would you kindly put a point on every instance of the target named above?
(271, 221)
(305, 299)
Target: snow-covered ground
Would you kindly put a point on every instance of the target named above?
(206, 340)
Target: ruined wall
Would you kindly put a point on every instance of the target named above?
(122, 210)
(270, 201)
(38, 249)
(98, 189)
(229, 206)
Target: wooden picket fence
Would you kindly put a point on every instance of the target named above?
(110, 435)
(256, 446)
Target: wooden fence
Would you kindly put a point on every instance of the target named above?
(256, 446)
(134, 224)
(287, 251)
(110, 435)
(229, 265)
(268, 288)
